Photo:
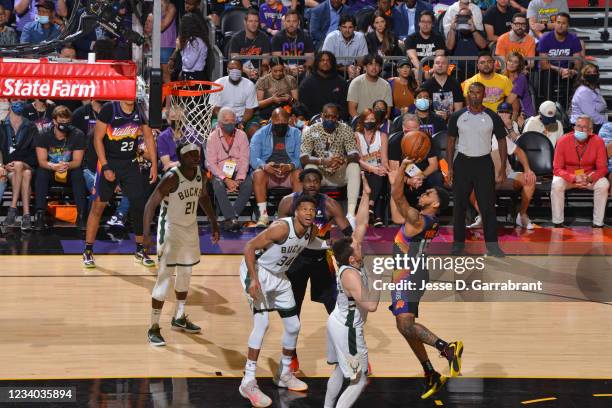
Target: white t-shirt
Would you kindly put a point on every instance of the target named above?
(510, 145)
(534, 124)
(237, 97)
(365, 93)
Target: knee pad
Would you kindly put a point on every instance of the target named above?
(162, 284)
(260, 325)
(292, 330)
(183, 277)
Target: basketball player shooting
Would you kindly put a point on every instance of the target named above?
(267, 257)
(412, 239)
(346, 346)
(116, 135)
(178, 241)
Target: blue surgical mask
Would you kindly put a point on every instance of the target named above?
(422, 104)
(299, 124)
(17, 107)
(329, 125)
(235, 74)
(580, 135)
(42, 19)
(228, 127)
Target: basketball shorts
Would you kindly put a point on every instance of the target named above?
(316, 266)
(276, 293)
(346, 346)
(127, 176)
(406, 299)
(178, 245)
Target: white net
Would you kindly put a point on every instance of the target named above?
(193, 114)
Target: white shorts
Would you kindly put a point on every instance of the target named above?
(346, 347)
(178, 245)
(276, 292)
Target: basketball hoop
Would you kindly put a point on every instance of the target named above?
(190, 109)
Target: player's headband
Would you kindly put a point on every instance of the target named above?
(189, 148)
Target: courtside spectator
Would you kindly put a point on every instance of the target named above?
(44, 28)
(515, 66)
(498, 88)
(250, 41)
(429, 122)
(498, 19)
(325, 19)
(546, 122)
(239, 95)
(275, 159)
(384, 7)
(403, 87)
(348, 45)
(271, 14)
(369, 87)
(227, 158)
(275, 89)
(542, 15)
(17, 136)
(167, 142)
(322, 86)
(516, 40)
(293, 42)
(330, 146)
(39, 112)
(380, 39)
(60, 150)
(580, 162)
(588, 100)
(8, 36)
(447, 95)
(168, 35)
(193, 44)
(216, 8)
(381, 113)
(464, 40)
(26, 11)
(405, 17)
(469, 9)
(424, 42)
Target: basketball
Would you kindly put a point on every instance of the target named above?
(416, 145)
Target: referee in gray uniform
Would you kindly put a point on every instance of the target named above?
(471, 129)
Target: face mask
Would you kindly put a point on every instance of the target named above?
(280, 129)
(299, 124)
(64, 127)
(591, 78)
(548, 120)
(235, 75)
(42, 19)
(173, 124)
(422, 104)
(17, 107)
(329, 125)
(369, 125)
(228, 127)
(379, 115)
(580, 135)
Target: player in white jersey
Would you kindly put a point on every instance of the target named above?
(178, 242)
(267, 258)
(346, 346)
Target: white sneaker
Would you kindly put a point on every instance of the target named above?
(477, 222)
(263, 220)
(524, 222)
(290, 381)
(252, 392)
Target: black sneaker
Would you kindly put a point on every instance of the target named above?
(144, 258)
(433, 384)
(88, 259)
(155, 337)
(184, 324)
(39, 220)
(11, 217)
(495, 251)
(26, 222)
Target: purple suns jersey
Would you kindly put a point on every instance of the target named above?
(122, 131)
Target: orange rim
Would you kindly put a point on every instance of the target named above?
(177, 88)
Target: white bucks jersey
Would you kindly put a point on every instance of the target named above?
(278, 257)
(346, 311)
(181, 206)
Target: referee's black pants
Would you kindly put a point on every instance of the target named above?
(478, 174)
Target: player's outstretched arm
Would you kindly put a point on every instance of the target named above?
(152, 150)
(411, 215)
(168, 184)
(204, 201)
(353, 287)
(284, 207)
(278, 231)
(363, 212)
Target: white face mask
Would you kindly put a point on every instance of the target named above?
(235, 74)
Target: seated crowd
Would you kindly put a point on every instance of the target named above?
(341, 106)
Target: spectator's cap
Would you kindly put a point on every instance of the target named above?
(403, 62)
(310, 170)
(48, 4)
(464, 1)
(504, 107)
(548, 112)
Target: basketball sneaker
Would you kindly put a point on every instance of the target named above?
(252, 392)
(26, 222)
(155, 337)
(144, 258)
(453, 354)
(477, 223)
(263, 221)
(116, 220)
(11, 217)
(290, 381)
(433, 384)
(294, 367)
(88, 259)
(184, 324)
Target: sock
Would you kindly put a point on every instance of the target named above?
(441, 345)
(249, 371)
(180, 308)
(155, 315)
(285, 363)
(139, 247)
(88, 247)
(263, 208)
(427, 367)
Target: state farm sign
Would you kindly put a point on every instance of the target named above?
(30, 79)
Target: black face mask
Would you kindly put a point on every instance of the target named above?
(591, 78)
(280, 129)
(173, 124)
(64, 127)
(369, 125)
(379, 115)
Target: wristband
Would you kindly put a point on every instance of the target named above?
(105, 167)
(348, 231)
